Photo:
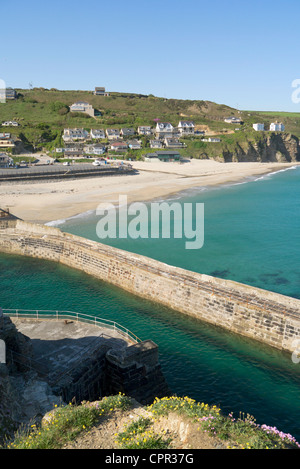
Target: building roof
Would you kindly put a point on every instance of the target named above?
(187, 123)
(163, 153)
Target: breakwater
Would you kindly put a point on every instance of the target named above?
(268, 317)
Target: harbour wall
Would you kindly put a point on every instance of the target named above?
(262, 315)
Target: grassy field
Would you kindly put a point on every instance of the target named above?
(43, 114)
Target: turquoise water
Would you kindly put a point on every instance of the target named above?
(251, 235)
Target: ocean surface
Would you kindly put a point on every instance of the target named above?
(251, 235)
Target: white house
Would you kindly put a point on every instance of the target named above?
(118, 146)
(186, 128)
(134, 145)
(233, 120)
(94, 149)
(173, 143)
(112, 134)
(83, 107)
(97, 134)
(156, 144)
(211, 140)
(164, 129)
(71, 135)
(277, 127)
(10, 124)
(259, 127)
(144, 130)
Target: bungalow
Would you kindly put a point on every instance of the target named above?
(127, 132)
(70, 135)
(134, 145)
(156, 144)
(100, 91)
(211, 140)
(74, 152)
(186, 128)
(233, 120)
(112, 134)
(173, 143)
(166, 156)
(144, 130)
(97, 134)
(81, 106)
(164, 129)
(118, 146)
(97, 149)
(5, 161)
(10, 124)
(277, 127)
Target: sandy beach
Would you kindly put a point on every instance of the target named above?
(42, 202)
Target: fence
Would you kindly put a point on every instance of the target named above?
(65, 315)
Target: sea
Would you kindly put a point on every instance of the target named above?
(251, 235)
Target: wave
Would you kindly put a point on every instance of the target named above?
(74, 217)
(272, 173)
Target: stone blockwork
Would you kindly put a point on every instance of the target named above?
(262, 315)
(29, 387)
(136, 372)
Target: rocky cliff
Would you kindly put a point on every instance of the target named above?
(263, 147)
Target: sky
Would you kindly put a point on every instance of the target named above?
(240, 53)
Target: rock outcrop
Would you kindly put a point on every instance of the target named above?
(270, 147)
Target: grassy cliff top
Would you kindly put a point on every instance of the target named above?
(43, 114)
(119, 422)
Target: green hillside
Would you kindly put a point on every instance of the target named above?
(43, 114)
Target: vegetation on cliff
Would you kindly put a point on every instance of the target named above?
(43, 114)
(175, 423)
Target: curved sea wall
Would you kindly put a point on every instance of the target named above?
(268, 317)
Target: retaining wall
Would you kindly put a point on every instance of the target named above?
(262, 315)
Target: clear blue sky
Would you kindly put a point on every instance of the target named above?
(241, 53)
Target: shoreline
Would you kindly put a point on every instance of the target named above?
(56, 201)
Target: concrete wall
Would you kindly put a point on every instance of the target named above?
(262, 315)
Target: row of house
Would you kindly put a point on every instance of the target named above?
(274, 127)
(163, 130)
(83, 148)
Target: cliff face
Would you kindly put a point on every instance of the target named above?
(271, 147)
